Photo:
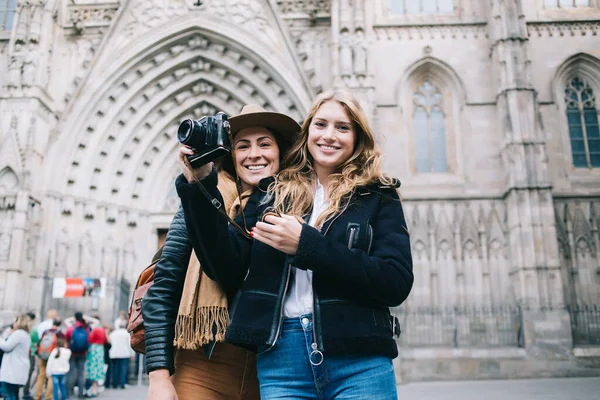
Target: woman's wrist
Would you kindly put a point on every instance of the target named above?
(159, 374)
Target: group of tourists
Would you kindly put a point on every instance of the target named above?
(53, 358)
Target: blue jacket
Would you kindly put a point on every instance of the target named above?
(361, 263)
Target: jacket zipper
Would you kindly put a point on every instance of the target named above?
(351, 237)
(317, 345)
(370, 239)
(287, 282)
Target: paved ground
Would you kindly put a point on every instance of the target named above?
(527, 389)
(531, 389)
(131, 393)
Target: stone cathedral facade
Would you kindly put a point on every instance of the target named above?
(487, 111)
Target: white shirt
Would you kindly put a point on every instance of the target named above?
(60, 365)
(119, 344)
(44, 326)
(299, 298)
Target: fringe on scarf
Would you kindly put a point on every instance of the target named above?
(194, 331)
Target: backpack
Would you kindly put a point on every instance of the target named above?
(47, 344)
(135, 323)
(79, 340)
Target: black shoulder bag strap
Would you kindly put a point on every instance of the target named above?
(220, 207)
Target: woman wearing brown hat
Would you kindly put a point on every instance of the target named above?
(187, 310)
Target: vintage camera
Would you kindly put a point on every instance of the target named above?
(208, 137)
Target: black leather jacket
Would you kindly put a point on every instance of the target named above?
(361, 263)
(161, 302)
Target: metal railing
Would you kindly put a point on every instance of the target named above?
(461, 327)
(585, 324)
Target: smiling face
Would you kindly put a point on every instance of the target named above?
(331, 138)
(256, 155)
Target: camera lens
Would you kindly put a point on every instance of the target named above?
(184, 133)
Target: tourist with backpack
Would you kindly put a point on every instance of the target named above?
(77, 337)
(48, 342)
(57, 368)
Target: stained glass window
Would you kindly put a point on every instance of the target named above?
(582, 118)
(7, 13)
(429, 131)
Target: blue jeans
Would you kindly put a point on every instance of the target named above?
(76, 375)
(285, 371)
(119, 370)
(11, 392)
(58, 384)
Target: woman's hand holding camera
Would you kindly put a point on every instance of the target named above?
(281, 233)
(197, 173)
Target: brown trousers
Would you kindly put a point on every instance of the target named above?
(39, 383)
(230, 374)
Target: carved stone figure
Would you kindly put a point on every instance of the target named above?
(24, 13)
(345, 54)
(360, 53)
(4, 245)
(37, 11)
(29, 66)
(14, 70)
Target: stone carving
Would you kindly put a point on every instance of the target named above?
(345, 54)
(437, 31)
(200, 51)
(360, 53)
(31, 246)
(62, 249)
(15, 66)
(564, 28)
(35, 28)
(89, 16)
(247, 14)
(9, 182)
(5, 239)
(29, 66)
(24, 12)
(311, 8)
(87, 260)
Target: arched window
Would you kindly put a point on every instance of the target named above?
(582, 118)
(7, 13)
(430, 136)
(410, 7)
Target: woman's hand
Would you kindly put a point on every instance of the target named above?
(197, 173)
(161, 387)
(281, 233)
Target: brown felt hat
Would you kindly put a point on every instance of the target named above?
(283, 127)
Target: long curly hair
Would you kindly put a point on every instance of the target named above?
(294, 186)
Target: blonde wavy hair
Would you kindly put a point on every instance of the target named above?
(23, 322)
(294, 186)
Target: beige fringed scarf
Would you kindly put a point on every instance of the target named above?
(203, 302)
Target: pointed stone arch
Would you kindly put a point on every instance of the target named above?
(469, 233)
(446, 85)
(580, 64)
(125, 128)
(9, 181)
(586, 68)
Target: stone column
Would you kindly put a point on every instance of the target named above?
(531, 225)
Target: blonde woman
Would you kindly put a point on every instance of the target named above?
(314, 296)
(15, 363)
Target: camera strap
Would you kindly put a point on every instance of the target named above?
(221, 209)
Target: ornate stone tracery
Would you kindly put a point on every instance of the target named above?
(159, 92)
